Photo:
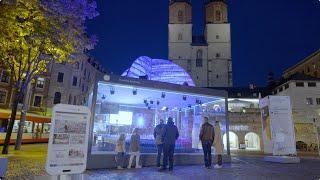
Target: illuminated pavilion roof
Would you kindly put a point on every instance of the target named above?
(158, 70)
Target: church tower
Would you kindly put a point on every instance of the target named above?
(218, 37)
(180, 32)
(207, 58)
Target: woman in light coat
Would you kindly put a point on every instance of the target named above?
(120, 150)
(218, 144)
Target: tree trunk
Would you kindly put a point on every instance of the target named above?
(11, 123)
(23, 117)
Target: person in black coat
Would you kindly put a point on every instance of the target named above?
(170, 136)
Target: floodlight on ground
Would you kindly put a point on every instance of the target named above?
(134, 92)
(163, 95)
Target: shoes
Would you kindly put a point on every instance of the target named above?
(138, 167)
(119, 167)
(217, 166)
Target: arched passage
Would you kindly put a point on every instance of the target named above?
(252, 141)
(234, 142)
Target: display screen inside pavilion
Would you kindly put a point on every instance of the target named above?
(120, 109)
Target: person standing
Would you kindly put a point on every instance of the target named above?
(218, 145)
(120, 150)
(206, 137)
(158, 133)
(135, 148)
(170, 136)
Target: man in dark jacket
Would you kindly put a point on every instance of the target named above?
(206, 137)
(158, 136)
(170, 136)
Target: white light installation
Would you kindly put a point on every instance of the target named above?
(158, 70)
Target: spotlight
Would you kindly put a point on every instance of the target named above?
(147, 104)
(189, 106)
(149, 108)
(103, 97)
(167, 109)
(145, 101)
(163, 95)
(197, 101)
(151, 102)
(158, 102)
(112, 90)
(184, 98)
(134, 92)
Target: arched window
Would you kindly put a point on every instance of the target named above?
(218, 15)
(199, 58)
(199, 54)
(57, 98)
(180, 16)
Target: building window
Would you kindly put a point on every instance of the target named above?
(299, 84)
(180, 36)
(74, 81)
(60, 77)
(218, 55)
(40, 83)
(180, 16)
(239, 94)
(280, 89)
(286, 86)
(217, 37)
(3, 96)
(37, 101)
(217, 76)
(199, 58)
(312, 84)
(218, 15)
(4, 77)
(309, 101)
(70, 99)
(74, 100)
(318, 101)
(57, 98)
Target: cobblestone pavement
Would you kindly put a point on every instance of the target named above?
(30, 161)
(240, 168)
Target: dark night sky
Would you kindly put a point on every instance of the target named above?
(266, 35)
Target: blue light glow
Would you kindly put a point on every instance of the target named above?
(158, 70)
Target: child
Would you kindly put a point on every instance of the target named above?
(120, 150)
(135, 148)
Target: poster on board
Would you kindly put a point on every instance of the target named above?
(68, 140)
(277, 125)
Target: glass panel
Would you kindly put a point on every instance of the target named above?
(115, 115)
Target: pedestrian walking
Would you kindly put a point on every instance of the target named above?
(206, 137)
(134, 148)
(120, 150)
(218, 144)
(170, 136)
(158, 134)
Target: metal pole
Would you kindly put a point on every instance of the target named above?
(227, 126)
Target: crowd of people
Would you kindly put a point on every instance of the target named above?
(165, 136)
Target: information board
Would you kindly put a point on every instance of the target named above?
(68, 140)
(277, 125)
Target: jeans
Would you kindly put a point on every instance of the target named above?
(168, 151)
(120, 159)
(160, 151)
(134, 154)
(219, 159)
(206, 146)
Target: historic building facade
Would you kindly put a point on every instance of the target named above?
(206, 58)
(309, 66)
(304, 93)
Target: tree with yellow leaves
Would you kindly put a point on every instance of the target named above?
(35, 32)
